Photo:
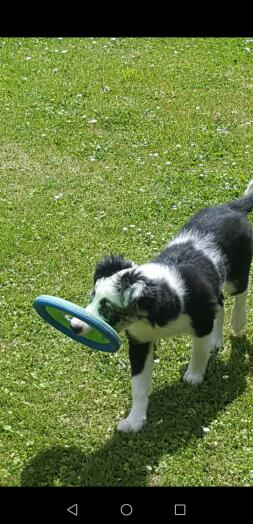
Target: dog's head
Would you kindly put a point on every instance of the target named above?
(124, 292)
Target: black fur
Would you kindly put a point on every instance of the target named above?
(202, 278)
(106, 310)
(126, 280)
(180, 292)
(159, 302)
(233, 235)
(137, 354)
(244, 205)
(201, 300)
(111, 264)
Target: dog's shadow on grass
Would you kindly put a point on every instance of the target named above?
(177, 414)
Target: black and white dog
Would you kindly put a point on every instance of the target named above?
(179, 292)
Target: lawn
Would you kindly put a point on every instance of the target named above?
(109, 145)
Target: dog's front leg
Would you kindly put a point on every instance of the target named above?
(201, 349)
(142, 361)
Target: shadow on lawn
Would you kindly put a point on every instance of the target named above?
(177, 413)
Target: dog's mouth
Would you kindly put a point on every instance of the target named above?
(119, 319)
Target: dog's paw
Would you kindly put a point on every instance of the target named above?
(193, 378)
(128, 425)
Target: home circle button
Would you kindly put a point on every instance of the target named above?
(126, 510)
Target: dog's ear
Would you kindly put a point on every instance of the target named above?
(153, 298)
(110, 265)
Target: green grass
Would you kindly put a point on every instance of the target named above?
(173, 133)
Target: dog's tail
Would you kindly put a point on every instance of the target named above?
(245, 204)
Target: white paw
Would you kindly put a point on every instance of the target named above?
(126, 425)
(193, 378)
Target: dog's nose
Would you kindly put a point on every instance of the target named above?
(76, 329)
(76, 326)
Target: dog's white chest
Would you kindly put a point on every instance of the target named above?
(144, 332)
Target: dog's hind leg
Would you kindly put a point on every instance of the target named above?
(218, 328)
(239, 312)
(142, 361)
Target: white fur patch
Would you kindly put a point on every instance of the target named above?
(204, 243)
(141, 387)
(199, 357)
(171, 275)
(104, 288)
(143, 331)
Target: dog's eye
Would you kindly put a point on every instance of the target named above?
(105, 307)
(108, 311)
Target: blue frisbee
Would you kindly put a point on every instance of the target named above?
(59, 312)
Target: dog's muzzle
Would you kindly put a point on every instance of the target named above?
(78, 326)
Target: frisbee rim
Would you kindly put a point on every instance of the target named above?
(44, 301)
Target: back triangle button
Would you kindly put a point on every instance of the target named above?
(73, 510)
